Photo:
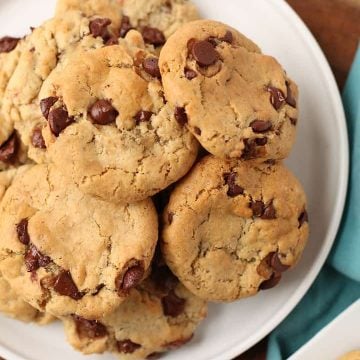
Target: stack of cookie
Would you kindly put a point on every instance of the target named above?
(103, 109)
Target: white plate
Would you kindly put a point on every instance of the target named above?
(320, 159)
(326, 344)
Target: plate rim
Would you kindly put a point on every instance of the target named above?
(335, 99)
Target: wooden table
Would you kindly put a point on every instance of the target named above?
(336, 26)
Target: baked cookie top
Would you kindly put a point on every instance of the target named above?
(238, 102)
(232, 229)
(109, 127)
(158, 316)
(69, 253)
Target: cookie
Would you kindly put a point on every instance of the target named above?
(238, 102)
(231, 229)
(158, 316)
(8, 176)
(353, 355)
(157, 20)
(109, 127)
(68, 253)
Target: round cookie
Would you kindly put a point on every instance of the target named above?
(231, 229)
(158, 316)
(69, 253)
(165, 16)
(109, 127)
(238, 102)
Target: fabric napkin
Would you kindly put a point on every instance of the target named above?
(338, 284)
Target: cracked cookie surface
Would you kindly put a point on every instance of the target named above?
(158, 316)
(232, 229)
(238, 102)
(109, 127)
(68, 253)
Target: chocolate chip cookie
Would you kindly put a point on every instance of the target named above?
(158, 316)
(238, 102)
(109, 127)
(232, 229)
(68, 253)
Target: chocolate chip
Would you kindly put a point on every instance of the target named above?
(269, 212)
(250, 150)
(197, 131)
(270, 162)
(8, 149)
(257, 208)
(113, 40)
(151, 66)
(164, 280)
(178, 343)
(103, 113)
(289, 97)
(127, 346)
(153, 36)
(64, 285)
(213, 41)
(204, 53)
(46, 104)
(59, 120)
(90, 329)
(270, 283)
(34, 259)
(228, 37)
(303, 218)
(8, 44)
(22, 232)
(260, 126)
(190, 74)
(154, 356)
(293, 121)
(143, 116)
(173, 305)
(180, 116)
(131, 278)
(99, 27)
(277, 97)
(261, 141)
(276, 264)
(234, 189)
(170, 218)
(125, 26)
(98, 289)
(37, 139)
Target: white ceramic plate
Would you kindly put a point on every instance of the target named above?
(320, 159)
(326, 344)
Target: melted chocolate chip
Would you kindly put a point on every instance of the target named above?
(173, 305)
(204, 53)
(257, 208)
(8, 44)
(99, 27)
(131, 278)
(113, 40)
(22, 232)
(151, 66)
(250, 150)
(228, 37)
(64, 285)
(276, 264)
(178, 343)
(59, 120)
(234, 189)
(125, 26)
(303, 218)
(127, 346)
(34, 259)
(37, 139)
(190, 74)
(98, 289)
(290, 100)
(153, 36)
(270, 283)
(260, 126)
(46, 104)
(261, 141)
(143, 116)
(293, 121)
(269, 212)
(277, 97)
(103, 113)
(8, 149)
(180, 116)
(90, 329)
(197, 131)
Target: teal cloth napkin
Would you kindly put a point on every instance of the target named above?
(338, 284)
